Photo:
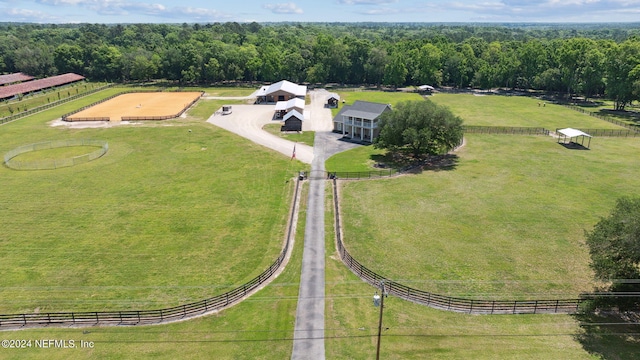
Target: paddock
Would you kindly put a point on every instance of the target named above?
(138, 106)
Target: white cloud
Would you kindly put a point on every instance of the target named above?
(379, 11)
(19, 15)
(366, 2)
(283, 8)
(198, 14)
(540, 10)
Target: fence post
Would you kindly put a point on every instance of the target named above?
(24, 319)
(557, 303)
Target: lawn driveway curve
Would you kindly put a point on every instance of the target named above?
(248, 120)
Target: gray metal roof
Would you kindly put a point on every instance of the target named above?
(363, 109)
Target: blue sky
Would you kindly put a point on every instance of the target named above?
(207, 11)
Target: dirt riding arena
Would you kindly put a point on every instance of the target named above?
(139, 106)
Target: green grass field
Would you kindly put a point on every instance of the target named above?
(264, 320)
(496, 110)
(167, 216)
(508, 220)
(417, 332)
(305, 137)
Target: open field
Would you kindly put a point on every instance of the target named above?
(418, 332)
(162, 219)
(506, 222)
(140, 105)
(243, 331)
(496, 110)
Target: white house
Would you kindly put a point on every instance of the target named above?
(360, 120)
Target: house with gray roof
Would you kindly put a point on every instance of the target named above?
(359, 121)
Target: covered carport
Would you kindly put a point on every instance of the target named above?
(566, 137)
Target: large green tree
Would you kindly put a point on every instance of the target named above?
(614, 245)
(419, 128)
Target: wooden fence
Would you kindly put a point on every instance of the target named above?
(358, 175)
(603, 117)
(507, 130)
(146, 317)
(470, 306)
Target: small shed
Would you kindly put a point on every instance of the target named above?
(566, 137)
(292, 121)
(333, 100)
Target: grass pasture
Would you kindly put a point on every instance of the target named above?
(507, 222)
(167, 216)
(520, 111)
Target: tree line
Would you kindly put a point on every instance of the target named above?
(584, 60)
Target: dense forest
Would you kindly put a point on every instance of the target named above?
(586, 60)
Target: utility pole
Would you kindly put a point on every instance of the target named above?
(378, 300)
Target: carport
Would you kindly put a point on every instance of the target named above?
(566, 136)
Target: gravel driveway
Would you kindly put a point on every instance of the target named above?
(248, 120)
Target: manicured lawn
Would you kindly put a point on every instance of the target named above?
(361, 158)
(167, 216)
(245, 331)
(496, 110)
(305, 137)
(507, 222)
(418, 332)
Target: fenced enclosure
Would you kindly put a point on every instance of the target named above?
(50, 164)
(442, 302)
(146, 317)
(137, 105)
(606, 118)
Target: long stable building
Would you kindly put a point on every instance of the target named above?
(37, 85)
(360, 120)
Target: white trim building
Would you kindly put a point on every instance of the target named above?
(284, 107)
(360, 120)
(281, 91)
